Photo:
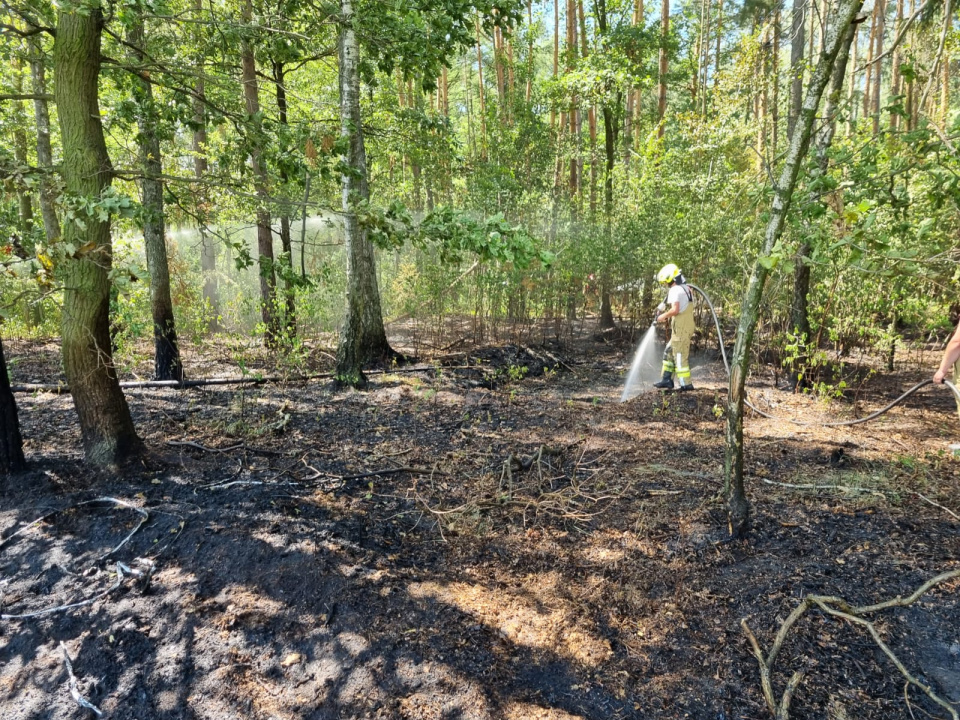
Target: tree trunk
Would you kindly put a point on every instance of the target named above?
(208, 248)
(11, 442)
(945, 78)
(797, 41)
(166, 363)
(716, 70)
(251, 95)
(105, 423)
(871, 54)
(852, 89)
(41, 112)
(839, 35)
(877, 75)
(663, 67)
(573, 113)
(775, 106)
(895, 76)
(25, 200)
(483, 105)
(363, 337)
(290, 319)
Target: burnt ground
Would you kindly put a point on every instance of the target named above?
(464, 543)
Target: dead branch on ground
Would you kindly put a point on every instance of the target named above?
(74, 690)
(840, 609)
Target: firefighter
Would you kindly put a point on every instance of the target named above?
(951, 358)
(679, 310)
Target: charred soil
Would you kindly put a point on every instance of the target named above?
(473, 540)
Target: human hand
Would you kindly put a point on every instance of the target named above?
(938, 377)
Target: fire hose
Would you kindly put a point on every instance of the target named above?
(844, 423)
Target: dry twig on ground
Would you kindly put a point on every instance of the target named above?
(74, 690)
(838, 608)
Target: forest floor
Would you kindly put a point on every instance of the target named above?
(474, 542)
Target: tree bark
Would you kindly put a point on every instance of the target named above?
(797, 43)
(208, 248)
(878, 74)
(663, 67)
(286, 245)
(41, 113)
(166, 364)
(105, 423)
(839, 34)
(363, 337)
(895, 76)
(251, 94)
(483, 105)
(25, 200)
(11, 441)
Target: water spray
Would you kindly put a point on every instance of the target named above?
(634, 370)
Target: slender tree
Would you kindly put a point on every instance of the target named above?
(251, 94)
(167, 364)
(41, 113)
(663, 67)
(363, 337)
(839, 35)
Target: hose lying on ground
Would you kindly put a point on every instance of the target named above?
(844, 423)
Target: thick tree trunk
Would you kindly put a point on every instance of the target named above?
(251, 94)
(167, 364)
(663, 67)
(41, 113)
(105, 423)
(839, 34)
(362, 337)
(11, 442)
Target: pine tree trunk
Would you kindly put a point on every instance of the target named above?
(556, 57)
(896, 80)
(11, 442)
(663, 67)
(797, 38)
(775, 108)
(362, 337)
(166, 363)
(871, 54)
(945, 77)
(251, 94)
(852, 89)
(208, 248)
(105, 423)
(483, 105)
(878, 74)
(573, 113)
(716, 69)
(41, 112)
(839, 34)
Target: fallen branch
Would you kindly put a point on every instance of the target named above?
(844, 488)
(71, 606)
(838, 608)
(937, 505)
(61, 389)
(144, 516)
(74, 690)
